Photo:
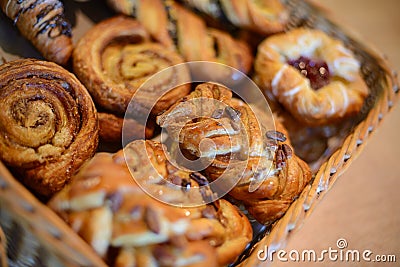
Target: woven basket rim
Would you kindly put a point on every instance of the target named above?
(339, 161)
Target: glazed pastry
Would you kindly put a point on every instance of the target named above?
(176, 27)
(48, 124)
(265, 16)
(115, 58)
(43, 24)
(106, 206)
(268, 174)
(315, 77)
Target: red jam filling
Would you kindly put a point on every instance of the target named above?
(316, 71)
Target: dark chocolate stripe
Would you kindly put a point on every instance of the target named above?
(172, 23)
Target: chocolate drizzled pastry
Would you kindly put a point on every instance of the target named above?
(44, 25)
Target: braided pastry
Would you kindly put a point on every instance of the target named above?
(43, 24)
(174, 26)
(48, 124)
(114, 59)
(107, 207)
(312, 75)
(265, 16)
(230, 135)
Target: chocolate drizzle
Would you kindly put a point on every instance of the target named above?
(172, 23)
(55, 26)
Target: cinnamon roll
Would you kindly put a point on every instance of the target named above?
(178, 28)
(314, 76)
(269, 174)
(106, 206)
(265, 16)
(115, 58)
(48, 124)
(44, 25)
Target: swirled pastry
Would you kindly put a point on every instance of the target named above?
(178, 28)
(269, 175)
(48, 123)
(314, 76)
(106, 206)
(265, 16)
(43, 24)
(115, 58)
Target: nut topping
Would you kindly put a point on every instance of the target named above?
(217, 114)
(233, 114)
(152, 220)
(275, 135)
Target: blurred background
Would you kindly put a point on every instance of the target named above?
(364, 205)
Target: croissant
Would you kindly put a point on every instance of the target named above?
(155, 222)
(178, 28)
(314, 76)
(265, 16)
(48, 123)
(42, 23)
(257, 164)
(113, 60)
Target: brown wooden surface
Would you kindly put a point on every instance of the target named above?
(364, 205)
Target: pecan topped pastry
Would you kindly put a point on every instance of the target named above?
(314, 76)
(259, 163)
(133, 202)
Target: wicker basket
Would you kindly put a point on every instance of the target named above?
(32, 235)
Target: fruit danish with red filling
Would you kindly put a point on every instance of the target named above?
(314, 76)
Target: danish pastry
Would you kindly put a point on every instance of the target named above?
(269, 174)
(48, 123)
(42, 23)
(266, 16)
(314, 76)
(106, 206)
(114, 59)
(178, 28)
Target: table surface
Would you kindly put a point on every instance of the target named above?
(363, 207)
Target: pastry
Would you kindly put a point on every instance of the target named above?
(44, 25)
(178, 28)
(265, 16)
(111, 128)
(260, 163)
(48, 124)
(155, 223)
(314, 76)
(114, 59)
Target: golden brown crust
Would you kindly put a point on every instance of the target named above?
(114, 59)
(178, 28)
(48, 125)
(239, 147)
(42, 23)
(144, 229)
(265, 16)
(343, 96)
(110, 128)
